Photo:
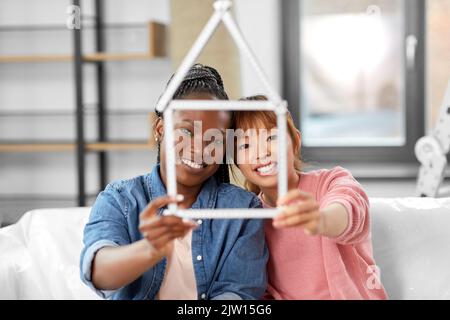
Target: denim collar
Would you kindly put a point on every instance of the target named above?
(206, 199)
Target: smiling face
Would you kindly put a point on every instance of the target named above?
(195, 157)
(258, 158)
(256, 152)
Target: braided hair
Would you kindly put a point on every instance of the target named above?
(201, 79)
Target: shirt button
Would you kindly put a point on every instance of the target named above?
(203, 296)
(199, 258)
(199, 221)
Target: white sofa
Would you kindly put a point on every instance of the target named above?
(411, 238)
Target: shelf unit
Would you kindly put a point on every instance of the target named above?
(70, 146)
(157, 39)
(102, 145)
(94, 57)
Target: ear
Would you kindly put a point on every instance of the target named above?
(159, 129)
(299, 137)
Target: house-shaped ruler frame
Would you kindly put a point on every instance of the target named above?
(168, 106)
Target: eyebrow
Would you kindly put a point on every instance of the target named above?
(192, 123)
(188, 120)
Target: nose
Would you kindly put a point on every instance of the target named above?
(197, 144)
(262, 151)
(197, 147)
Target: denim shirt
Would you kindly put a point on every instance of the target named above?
(229, 256)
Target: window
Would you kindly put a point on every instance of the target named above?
(353, 77)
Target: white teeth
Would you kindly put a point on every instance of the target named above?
(191, 164)
(266, 169)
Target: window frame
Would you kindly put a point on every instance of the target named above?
(414, 97)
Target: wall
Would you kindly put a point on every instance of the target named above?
(259, 21)
(188, 20)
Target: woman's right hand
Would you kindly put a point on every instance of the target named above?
(160, 231)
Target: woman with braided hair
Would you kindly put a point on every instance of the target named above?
(131, 251)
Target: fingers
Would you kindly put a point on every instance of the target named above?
(158, 203)
(160, 226)
(159, 237)
(159, 221)
(160, 230)
(294, 195)
(297, 220)
(155, 233)
(298, 208)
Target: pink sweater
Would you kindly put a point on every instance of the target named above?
(317, 267)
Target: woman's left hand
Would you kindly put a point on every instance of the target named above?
(299, 209)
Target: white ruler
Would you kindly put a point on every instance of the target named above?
(224, 213)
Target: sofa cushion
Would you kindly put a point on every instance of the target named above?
(39, 256)
(411, 242)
